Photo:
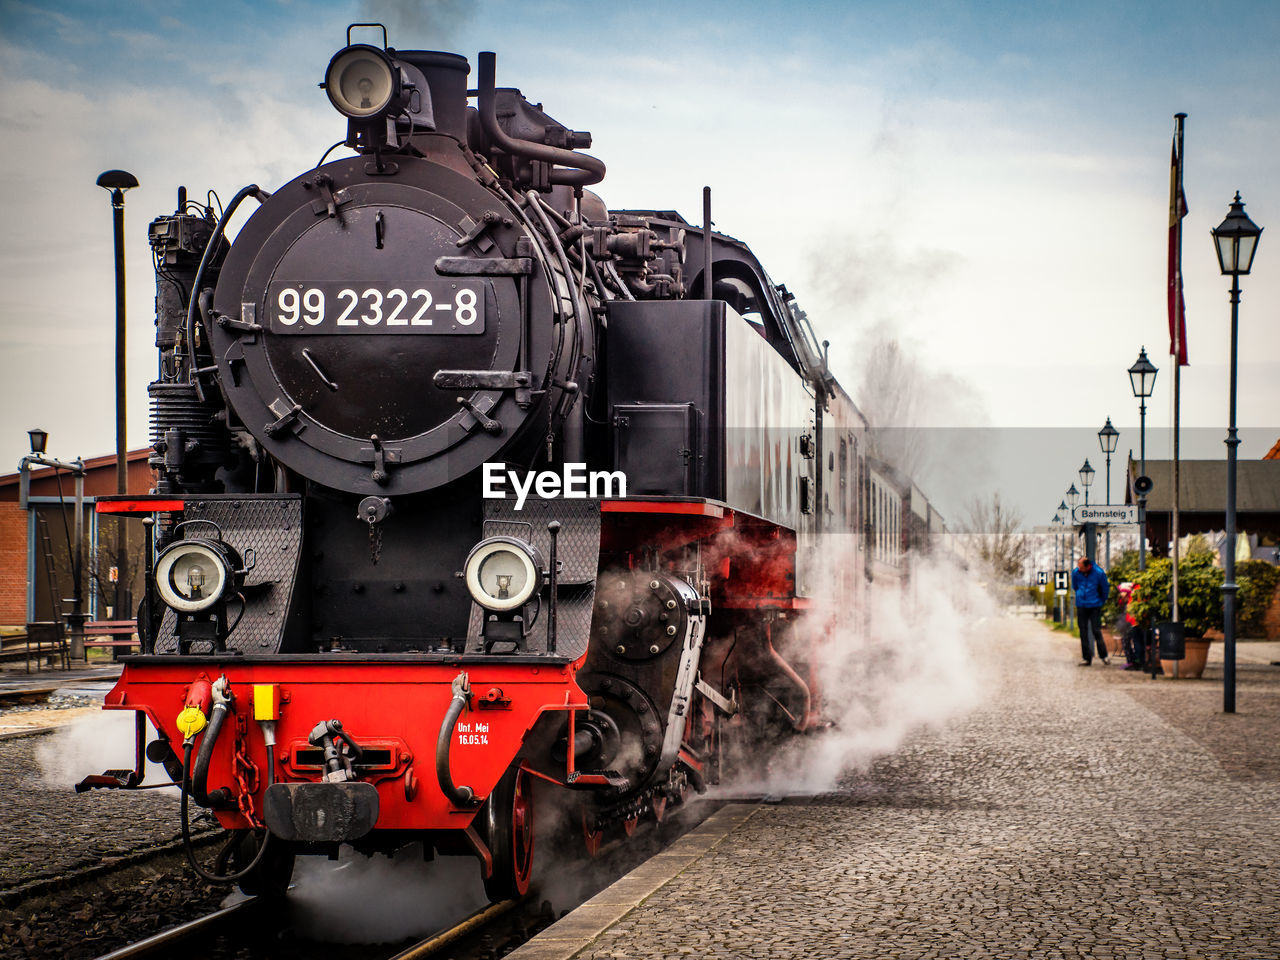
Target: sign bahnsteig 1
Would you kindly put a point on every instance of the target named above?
(1120, 513)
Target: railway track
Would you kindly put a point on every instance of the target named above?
(472, 925)
(87, 877)
(164, 944)
(485, 934)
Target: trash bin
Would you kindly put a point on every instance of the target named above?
(1171, 638)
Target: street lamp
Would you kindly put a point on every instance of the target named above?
(118, 181)
(1236, 241)
(1086, 479)
(39, 440)
(1073, 497)
(1108, 436)
(1142, 378)
(1059, 521)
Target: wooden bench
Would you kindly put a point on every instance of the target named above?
(40, 641)
(96, 630)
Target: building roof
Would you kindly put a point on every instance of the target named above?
(1203, 486)
(100, 475)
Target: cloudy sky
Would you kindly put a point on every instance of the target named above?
(985, 183)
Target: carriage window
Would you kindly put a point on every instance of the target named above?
(844, 481)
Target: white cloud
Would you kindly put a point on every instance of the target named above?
(1006, 214)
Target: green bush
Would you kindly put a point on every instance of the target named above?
(1257, 581)
(1199, 593)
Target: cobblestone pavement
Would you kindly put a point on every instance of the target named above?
(1080, 812)
(45, 831)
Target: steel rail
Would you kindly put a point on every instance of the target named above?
(471, 924)
(154, 945)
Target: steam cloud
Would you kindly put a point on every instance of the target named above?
(903, 667)
(91, 744)
(359, 899)
(921, 419)
(419, 24)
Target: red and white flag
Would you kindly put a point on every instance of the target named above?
(1177, 210)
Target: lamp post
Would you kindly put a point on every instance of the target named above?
(1088, 528)
(1108, 437)
(1086, 479)
(1236, 241)
(118, 181)
(39, 440)
(1064, 516)
(1142, 378)
(1057, 558)
(1073, 497)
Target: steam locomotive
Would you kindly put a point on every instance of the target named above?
(467, 486)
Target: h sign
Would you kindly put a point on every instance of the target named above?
(1041, 578)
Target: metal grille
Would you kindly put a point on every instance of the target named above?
(578, 553)
(270, 526)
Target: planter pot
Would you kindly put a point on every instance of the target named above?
(1191, 668)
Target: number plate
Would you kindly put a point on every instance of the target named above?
(435, 306)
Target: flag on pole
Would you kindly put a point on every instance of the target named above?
(1177, 210)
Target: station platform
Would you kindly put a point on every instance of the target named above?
(1075, 812)
(26, 708)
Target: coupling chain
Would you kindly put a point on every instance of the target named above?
(246, 773)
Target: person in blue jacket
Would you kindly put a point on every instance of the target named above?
(1090, 583)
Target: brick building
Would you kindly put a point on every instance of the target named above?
(27, 536)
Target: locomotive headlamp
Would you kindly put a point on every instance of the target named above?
(362, 82)
(502, 573)
(193, 575)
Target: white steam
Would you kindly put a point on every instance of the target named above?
(93, 744)
(359, 899)
(420, 24)
(906, 667)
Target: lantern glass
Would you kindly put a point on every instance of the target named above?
(1086, 475)
(1236, 240)
(39, 440)
(1107, 438)
(1073, 496)
(1142, 376)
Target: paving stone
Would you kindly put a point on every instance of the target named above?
(1074, 813)
(48, 830)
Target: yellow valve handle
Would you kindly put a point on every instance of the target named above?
(191, 721)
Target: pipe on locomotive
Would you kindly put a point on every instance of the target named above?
(222, 705)
(200, 775)
(585, 169)
(210, 250)
(459, 796)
